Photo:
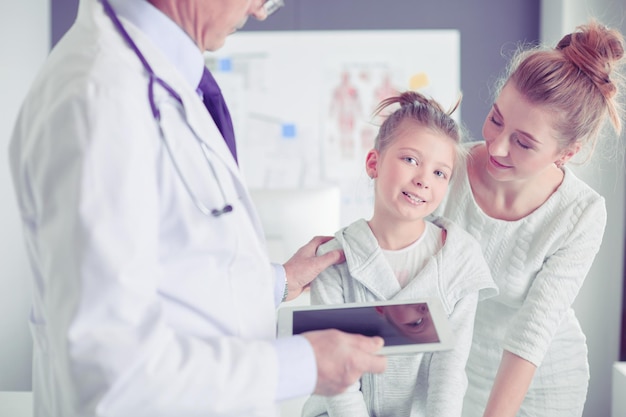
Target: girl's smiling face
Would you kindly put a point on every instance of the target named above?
(412, 173)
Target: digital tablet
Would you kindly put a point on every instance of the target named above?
(406, 326)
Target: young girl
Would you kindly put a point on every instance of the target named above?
(539, 226)
(398, 255)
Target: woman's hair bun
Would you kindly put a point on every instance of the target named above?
(594, 49)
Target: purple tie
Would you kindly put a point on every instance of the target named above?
(215, 104)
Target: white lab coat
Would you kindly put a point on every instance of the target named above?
(142, 305)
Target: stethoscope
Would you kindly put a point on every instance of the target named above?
(156, 113)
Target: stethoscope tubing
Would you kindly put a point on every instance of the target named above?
(156, 113)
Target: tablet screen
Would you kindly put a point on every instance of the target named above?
(405, 326)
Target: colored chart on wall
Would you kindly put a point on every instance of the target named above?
(302, 101)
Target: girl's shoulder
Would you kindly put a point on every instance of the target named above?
(457, 238)
(349, 237)
(467, 270)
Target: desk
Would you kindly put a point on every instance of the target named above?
(16, 403)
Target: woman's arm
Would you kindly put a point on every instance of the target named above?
(510, 386)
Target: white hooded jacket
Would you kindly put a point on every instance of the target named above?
(431, 384)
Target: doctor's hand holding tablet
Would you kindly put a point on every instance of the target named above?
(342, 358)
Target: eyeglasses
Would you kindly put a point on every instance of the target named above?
(271, 6)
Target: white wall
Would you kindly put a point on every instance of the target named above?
(598, 305)
(24, 42)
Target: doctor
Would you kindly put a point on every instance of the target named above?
(153, 292)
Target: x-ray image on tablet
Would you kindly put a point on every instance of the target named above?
(406, 326)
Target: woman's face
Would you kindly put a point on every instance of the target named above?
(521, 141)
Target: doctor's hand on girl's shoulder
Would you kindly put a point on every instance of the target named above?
(342, 358)
(305, 265)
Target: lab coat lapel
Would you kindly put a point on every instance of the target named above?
(201, 121)
(203, 124)
(197, 115)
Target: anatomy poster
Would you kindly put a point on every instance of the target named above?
(302, 102)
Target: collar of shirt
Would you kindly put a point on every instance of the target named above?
(169, 38)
